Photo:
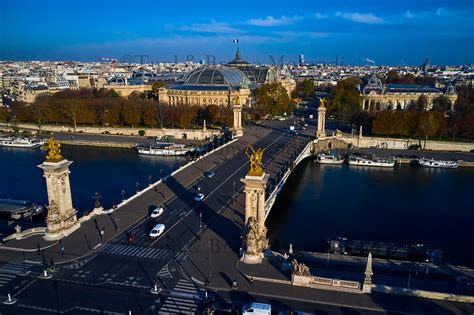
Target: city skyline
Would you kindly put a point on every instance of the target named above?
(401, 33)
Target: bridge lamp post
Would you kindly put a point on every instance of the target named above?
(137, 185)
(97, 197)
(123, 195)
(161, 173)
(149, 180)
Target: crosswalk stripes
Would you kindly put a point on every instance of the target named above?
(137, 251)
(185, 303)
(164, 272)
(10, 270)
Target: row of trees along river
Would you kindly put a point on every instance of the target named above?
(106, 108)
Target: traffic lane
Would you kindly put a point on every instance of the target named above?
(185, 197)
(214, 201)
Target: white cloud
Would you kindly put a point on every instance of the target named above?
(320, 16)
(370, 61)
(408, 15)
(271, 21)
(292, 35)
(367, 18)
(212, 27)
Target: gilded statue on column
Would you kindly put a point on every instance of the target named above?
(255, 158)
(323, 102)
(236, 100)
(54, 151)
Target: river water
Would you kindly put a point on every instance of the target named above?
(107, 171)
(406, 204)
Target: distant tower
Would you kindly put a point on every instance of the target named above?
(301, 60)
(367, 286)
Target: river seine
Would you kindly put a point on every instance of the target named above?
(406, 204)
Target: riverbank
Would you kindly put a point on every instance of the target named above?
(184, 134)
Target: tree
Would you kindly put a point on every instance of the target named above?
(441, 104)
(422, 103)
(345, 99)
(274, 99)
(428, 124)
(305, 89)
(392, 77)
(3, 114)
(149, 113)
(187, 115)
(71, 107)
(211, 113)
(131, 112)
(39, 110)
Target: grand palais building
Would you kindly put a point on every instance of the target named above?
(220, 85)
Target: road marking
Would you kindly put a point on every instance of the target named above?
(220, 185)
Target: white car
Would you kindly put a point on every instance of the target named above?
(157, 212)
(157, 230)
(199, 197)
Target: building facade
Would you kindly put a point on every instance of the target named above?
(219, 85)
(377, 96)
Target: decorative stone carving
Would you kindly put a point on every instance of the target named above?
(299, 269)
(255, 159)
(255, 240)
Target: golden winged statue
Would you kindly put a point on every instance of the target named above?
(255, 158)
(54, 151)
(236, 100)
(323, 102)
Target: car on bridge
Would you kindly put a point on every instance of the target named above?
(157, 212)
(209, 174)
(157, 230)
(199, 197)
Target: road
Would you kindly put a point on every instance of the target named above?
(199, 245)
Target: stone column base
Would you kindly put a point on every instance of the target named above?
(252, 259)
(238, 132)
(367, 288)
(57, 235)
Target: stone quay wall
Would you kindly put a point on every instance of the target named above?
(394, 143)
(194, 134)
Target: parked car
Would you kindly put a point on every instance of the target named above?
(209, 174)
(199, 197)
(257, 308)
(157, 230)
(157, 212)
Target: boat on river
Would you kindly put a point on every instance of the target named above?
(19, 142)
(372, 161)
(19, 209)
(329, 159)
(163, 149)
(437, 163)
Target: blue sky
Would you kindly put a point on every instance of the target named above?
(385, 32)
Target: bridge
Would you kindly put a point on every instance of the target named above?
(197, 252)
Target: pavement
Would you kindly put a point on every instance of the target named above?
(197, 253)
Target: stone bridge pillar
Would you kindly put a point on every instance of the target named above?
(255, 198)
(237, 108)
(62, 219)
(321, 131)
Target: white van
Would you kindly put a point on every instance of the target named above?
(257, 308)
(157, 230)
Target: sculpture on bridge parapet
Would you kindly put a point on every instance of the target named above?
(299, 269)
(54, 151)
(255, 158)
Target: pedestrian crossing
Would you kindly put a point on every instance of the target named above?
(184, 300)
(137, 251)
(10, 270)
